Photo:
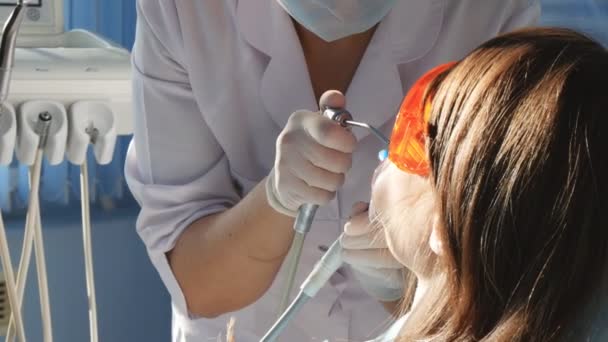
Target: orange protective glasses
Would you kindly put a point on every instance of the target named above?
(407, 148)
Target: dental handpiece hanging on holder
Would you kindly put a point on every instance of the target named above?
(8, 46)
(331, 260)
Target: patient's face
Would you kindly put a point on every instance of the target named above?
(404, 204)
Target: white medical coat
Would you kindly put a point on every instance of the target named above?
(214, 83)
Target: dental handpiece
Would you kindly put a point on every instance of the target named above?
(307, 212)
(8, 46)
(345, 119)
(304, 220)
(318, 277)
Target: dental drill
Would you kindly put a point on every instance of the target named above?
(306, 215)
(8, 46)
(304, 220)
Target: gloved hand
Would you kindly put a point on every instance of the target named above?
(365, 249)
(313, 154)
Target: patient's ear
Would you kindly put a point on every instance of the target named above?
(435, 240)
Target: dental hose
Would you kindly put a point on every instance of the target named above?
(306, 215)
(43, 288)
(88, 245)
(11, 288)
(33, 236)
(323, 270)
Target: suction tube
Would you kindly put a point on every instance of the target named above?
(323, 270)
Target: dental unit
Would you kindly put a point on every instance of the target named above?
(68, 91)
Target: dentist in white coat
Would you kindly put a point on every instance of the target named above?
(228, 144)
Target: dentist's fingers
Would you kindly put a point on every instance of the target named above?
(327, 133)
(317, 177)
(359, 224)
(313, 154)
(301, 191)
(327, 158)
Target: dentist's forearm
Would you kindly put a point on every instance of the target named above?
(227, 261)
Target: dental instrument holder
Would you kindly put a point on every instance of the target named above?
(8, 133)
(28, 139)
(91, 123)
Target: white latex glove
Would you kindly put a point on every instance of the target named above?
(313, 154)
(365, 249)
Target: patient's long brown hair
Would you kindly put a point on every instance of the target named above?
(519, 154)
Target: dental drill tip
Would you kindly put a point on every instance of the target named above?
(93, 133)
(42, 128)
(370, 128)
(45, 116)
(339, 115)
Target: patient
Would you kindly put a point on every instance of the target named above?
(495, 194)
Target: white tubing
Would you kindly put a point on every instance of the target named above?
(32, 237)
(318, 277)
(293, 259)
(323, 270)
(10, 283)
(43, 283)
(88, 250)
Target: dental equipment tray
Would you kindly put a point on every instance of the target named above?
(82, 67)
(66, 67)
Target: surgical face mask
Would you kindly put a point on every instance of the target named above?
(335, 19)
